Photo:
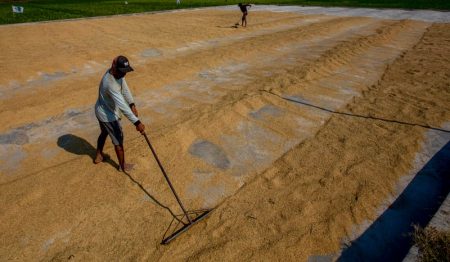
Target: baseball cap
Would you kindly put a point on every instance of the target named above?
(123, 65)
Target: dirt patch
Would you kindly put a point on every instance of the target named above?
(434, 245)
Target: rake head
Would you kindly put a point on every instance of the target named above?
(180, 227)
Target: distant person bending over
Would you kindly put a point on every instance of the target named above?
(244, 11)
(115, 97)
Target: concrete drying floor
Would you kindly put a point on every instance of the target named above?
(296, 129)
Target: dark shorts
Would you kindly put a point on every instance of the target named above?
(114, 130)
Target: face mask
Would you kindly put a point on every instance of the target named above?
(120, 74)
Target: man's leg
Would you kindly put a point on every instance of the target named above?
(120, 156)
(120, 152)
(100, 144)
(117, 139)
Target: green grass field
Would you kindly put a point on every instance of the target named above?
(42, 10)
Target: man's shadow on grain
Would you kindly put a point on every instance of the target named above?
(79, 146)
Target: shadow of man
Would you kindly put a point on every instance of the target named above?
(233, 26)
(79, 146)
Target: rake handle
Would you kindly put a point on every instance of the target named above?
(166, 177)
